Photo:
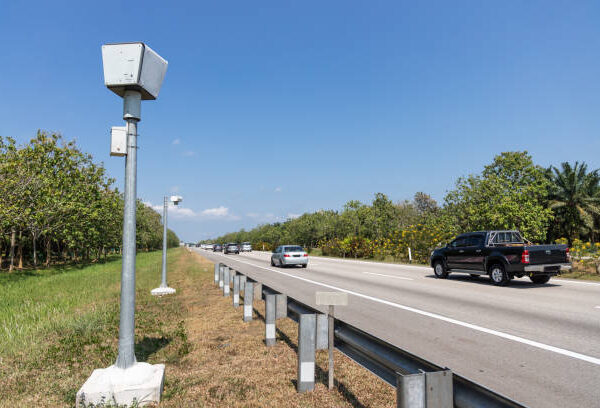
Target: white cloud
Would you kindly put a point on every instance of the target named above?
(188, 153)
(278, 189)
(291, 216)
(176, 141)
(180, 212)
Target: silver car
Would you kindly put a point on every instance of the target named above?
(246, 247)
(285, 255)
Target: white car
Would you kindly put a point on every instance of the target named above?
(286, 255)
(245, 247)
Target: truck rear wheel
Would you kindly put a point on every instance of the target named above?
(540, 279)
(439, 270)
(498, 275)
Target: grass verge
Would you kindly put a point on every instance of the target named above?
(212, 358)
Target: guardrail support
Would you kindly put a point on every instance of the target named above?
(226, 282)
(257, 290)
(280, 306)
(306, 352)
(217, 268)
(270, 319)
(242, 282)
(221, 272)
(425, 390)
(232, 273)
(236, 291)
(248, 297)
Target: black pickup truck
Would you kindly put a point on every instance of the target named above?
(503, 255)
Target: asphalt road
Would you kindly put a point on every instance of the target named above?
(537, 344)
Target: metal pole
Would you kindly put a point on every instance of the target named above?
(131, 113)
(330, 319)
(164, 254)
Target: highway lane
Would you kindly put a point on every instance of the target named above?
(537, 344)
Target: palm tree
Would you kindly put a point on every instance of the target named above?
(575, 198)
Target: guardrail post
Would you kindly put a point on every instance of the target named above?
(306, 352)
(221, 272)
(248, 297)
(257, 290)
(232, 273)
(226, 282)
(322, 339)
(270, 319)
(242, 282)
(217, 268)
(425, 390)
(236, 291)
(280, 306)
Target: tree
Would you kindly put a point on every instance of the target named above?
(424, 204)
(511, 193)
(575, 199)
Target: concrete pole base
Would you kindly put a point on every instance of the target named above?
(142, 383)
(162, 291)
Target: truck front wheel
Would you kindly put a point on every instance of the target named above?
(540, 279)
(439, 270)
(498, 275)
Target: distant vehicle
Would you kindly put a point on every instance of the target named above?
(286, 255)
(503, 255)
(246, 247)
(209, 247)
(217, 248)
(231, 248)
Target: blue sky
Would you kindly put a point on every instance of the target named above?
(273, 108)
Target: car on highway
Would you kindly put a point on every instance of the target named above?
(217, 248)
(209, 247)
(231, 248)
(289, 255)
(246, 247)
(502, 255)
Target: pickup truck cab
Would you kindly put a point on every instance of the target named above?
(502, 255)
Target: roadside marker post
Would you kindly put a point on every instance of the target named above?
(236, 291)
(134, 72)
(331, 299)
(217, 268)
(226, 282)
(248, 298)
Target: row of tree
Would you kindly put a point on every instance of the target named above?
(56, 204)
(510, 193)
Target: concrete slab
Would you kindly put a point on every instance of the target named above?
(141, 383)
(162, 291)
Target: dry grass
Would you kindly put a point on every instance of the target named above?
(229, 365)
(213, 358)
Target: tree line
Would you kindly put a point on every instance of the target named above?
(58, 205)
(512, 192)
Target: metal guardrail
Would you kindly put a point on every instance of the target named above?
(418, 382)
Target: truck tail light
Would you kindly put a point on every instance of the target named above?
(286, 255)
(568, 255)
(305, 255)
(525, 257)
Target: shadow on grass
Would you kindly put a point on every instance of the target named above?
(150, 345)
(322, 375)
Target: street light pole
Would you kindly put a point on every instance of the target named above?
(131, 114)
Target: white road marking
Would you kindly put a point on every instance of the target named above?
(576, 282)
(532, 343)
(388, 276)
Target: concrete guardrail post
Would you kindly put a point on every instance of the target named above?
(257, 290)
(248, 297)
(232, 273)
(306, 352)
(236, 291)
(217, 269)
(221, 273)
(226, 282)
(270, 299)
